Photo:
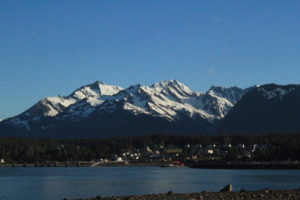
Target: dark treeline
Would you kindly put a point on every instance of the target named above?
(275, 147)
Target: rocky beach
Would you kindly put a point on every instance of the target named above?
(226, 194)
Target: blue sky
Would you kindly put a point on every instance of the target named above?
(53, 47)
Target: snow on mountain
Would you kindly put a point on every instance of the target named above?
(96, 89)
(271, 93)
(49, 106)
(269, 108)
(232, 94)
(88, 97)
(52, 106)
(167, 99)
(46, 107)
(173, 88)
(212, 104)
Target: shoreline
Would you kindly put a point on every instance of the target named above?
(204, 195)
(78, 164)
(245, 166)
(270, 166)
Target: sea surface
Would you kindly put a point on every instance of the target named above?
(58, 183)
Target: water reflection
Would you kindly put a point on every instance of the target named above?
(59, 183)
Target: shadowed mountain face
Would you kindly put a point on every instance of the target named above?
(266, 109)
(100, 110)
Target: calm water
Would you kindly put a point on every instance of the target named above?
(59, 183)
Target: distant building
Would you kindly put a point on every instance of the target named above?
(173, 151)
(155, 156)
(209, 151)
(241, 146)
(119, 159)
(148, 149)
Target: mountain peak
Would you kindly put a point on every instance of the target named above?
(133, 88)
(271, 91)
(168, 100)
(220, 88)
(174, 84)
(233, 94)
(98, 82)
(168, 83)
(96, 89)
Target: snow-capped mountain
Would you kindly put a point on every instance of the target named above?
(278, 92)
(169, 101)
(265, 109)
(88, 98)
(167, 107)
(166, 99)
(91, 94)
(233, 94)
(46, 107)
(96, 90)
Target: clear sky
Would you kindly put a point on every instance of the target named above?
(53, 47)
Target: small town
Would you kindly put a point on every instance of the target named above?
(167, 156)
(189, 152)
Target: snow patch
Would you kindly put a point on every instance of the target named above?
(20, 123)
(277, 92)
(96, 89)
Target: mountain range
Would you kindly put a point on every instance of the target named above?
(168, 107)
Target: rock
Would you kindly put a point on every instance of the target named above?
(267, 191)
(170, 193)
(227, 188)
(243, 190)
(98, 197)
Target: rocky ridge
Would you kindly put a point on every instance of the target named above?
(169, 100)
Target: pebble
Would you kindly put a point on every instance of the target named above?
(245, 195)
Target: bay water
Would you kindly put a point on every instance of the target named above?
(42, 183)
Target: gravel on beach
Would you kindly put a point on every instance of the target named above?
(241, 195)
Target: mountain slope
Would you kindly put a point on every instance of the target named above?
(50, 107)
(98, 109)
(266, 109)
